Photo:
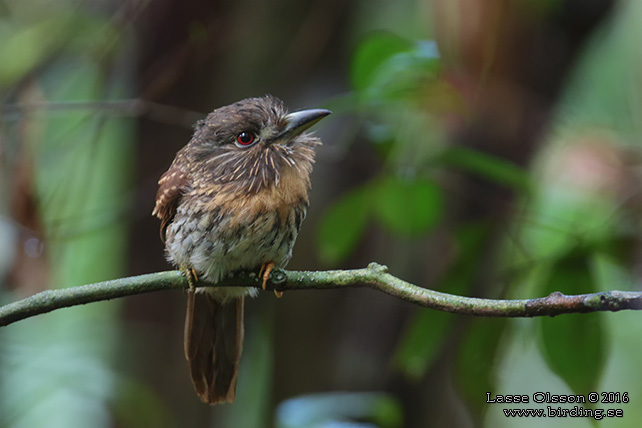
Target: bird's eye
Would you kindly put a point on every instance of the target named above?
(245, 139)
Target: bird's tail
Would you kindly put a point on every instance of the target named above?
(213, 345)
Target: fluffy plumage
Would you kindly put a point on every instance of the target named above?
(226, 206)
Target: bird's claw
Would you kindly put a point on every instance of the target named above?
(192, 277)
(264, 273)
(266, 270)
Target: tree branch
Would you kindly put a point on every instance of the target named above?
(374, 276)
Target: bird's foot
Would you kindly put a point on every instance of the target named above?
(192, 277)
(266, 270)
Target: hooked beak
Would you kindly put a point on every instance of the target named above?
(299, 121)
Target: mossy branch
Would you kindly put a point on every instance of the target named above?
(374, 276)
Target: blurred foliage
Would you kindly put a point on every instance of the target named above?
(422, 341)
(387, 68)
(407, 207)
(428, 330)
(33, 35)
(81, 161)
(574, 347)
(386, 73)
(335, 409)
(137, 405)
(343, 225)
(492, 168)
(478, 363)
(571, 233)
(572, 226)
(76, 165)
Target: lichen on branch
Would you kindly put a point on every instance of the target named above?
(374, 276)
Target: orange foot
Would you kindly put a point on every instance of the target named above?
(266, 269)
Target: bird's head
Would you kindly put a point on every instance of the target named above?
(248, 145)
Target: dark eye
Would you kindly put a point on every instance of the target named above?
(245, 139)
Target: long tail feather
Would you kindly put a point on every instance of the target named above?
(213, 345)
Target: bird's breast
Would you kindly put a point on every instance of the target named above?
(217, 231)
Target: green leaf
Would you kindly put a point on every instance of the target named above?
(574, 345)
(493, 168)
(387, 69)
(371, 54)
(422, 340)
(22, 49)
(343, 225)
(470, 239)
(424, 337)
(477, 362)
(408, 207)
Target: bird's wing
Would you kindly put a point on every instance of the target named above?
(171, 187)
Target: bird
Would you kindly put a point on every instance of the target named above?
(233, 200)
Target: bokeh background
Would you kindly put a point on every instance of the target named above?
(484, 148)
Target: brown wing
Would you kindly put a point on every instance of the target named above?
(171, 186)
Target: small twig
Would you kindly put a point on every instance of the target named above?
(133, 107)
(374, 276)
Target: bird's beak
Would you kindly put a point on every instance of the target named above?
(299, 121)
